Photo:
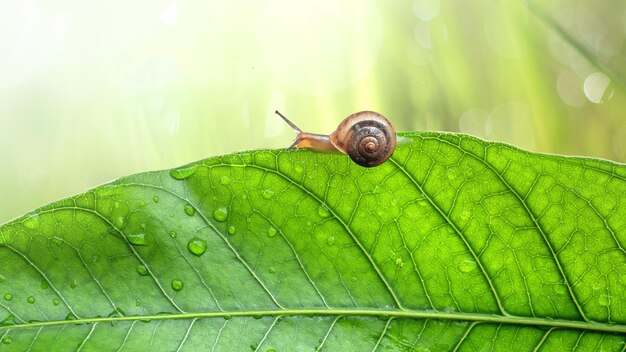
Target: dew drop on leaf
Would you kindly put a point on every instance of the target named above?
(137, 303)
(323, 211)
(119, 222)
(271, 232)
(138, 239)
(220, 214)
(268, 194)
(232, 230)
(8, 297)
(197, 246)
(142, 270)
(189, 210)
(330, 240)
(56, 302)
(173, 234)
(183, 173)
(30, 299)
(272, 270)
(467, 266)
(70, 316)
(73, 284)
(142, 204)
(2, 279)
(155, 199)
(177, 285)
(10, 320)
(6, 339)
(32, 221)
(44, 285)
(225, 180)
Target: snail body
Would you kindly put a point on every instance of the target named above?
(366, 136)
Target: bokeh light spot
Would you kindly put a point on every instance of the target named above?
(595, 86)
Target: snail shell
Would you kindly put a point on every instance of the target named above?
(367, 137)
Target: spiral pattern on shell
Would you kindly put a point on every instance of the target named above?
(371, 143)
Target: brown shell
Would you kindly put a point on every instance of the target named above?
(367, 137)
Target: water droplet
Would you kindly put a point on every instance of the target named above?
(6, 339)
(138, 239)
(155, 199)
(73, 284)
(270, 350)
(32, 221)
(220, 214)
(142, 204)
(183, 173)
(228, 317)
(271, 232)
(117, 312)
(257, 317)
(10, 320)
(268, 194)
(56, 301)
(177, 285)
(244, 196)
(197, 246)
(70, 316)
(173, 234)
(399, 263)
(137, 303)
(253, 347)
(232, 230)
(142, 270)
(467, 266)
(330, 240)
(119, 222)
(8, 297)
(189, 210)
(272, 270)
(2, 279)
(44, 285)
(323, 211)
(225, 180)
(30, 299)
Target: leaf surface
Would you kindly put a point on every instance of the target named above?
(455, 243)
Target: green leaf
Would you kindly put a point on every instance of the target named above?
(455, 243)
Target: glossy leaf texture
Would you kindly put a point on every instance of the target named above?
(454, 244)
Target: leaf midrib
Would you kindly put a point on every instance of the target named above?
(378, 313)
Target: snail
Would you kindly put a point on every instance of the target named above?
(366, 136)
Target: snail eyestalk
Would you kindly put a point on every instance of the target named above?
(291, 124)
(320, 142)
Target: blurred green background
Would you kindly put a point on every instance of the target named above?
(94, 90)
